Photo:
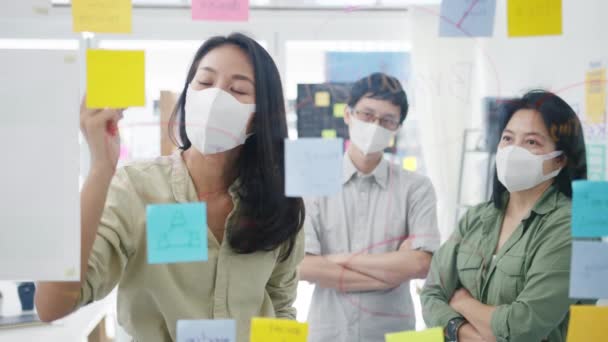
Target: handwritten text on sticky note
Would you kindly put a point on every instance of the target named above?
(589, 270)
(176, 232)
(313, 166)
(220, 10)
(278, 330)
(467, 18)
(429, 335)
(534, 17)
(115, 79)
(589, 209)
(203, 330)
(103, 16)
(588, 323)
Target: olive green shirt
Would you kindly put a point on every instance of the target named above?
(152, 298)
(527, 281)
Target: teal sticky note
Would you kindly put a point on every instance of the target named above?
(203, 330)
(589, 209)
(176, 232)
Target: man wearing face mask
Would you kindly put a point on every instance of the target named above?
(364, 244)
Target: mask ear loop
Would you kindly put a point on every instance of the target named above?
(550, 156)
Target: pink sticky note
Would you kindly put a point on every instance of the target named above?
(220, 10)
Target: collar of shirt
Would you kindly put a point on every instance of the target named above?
(380, 173)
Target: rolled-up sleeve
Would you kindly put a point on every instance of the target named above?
(442, 281)
(283, 284)
(113, 244)
(312, 227)
(544, 301)
(422, 217)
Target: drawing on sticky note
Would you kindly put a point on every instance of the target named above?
(467, 18)
(179, 234)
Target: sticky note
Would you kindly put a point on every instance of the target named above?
(322, 99)
(203, 330)
(467, 18)
(176, 232)
(595, 95)
(534, 17)
(589, 208)
(277, 330)
(410, 163)
(313, 167)
(115, 79)
(339, 110)
(589, 270)
(220, 10)
(429, 335)
(328, 133)
(587, 323)
(102, 16)
(596, 162)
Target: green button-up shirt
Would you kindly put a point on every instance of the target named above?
(152, 298)
(527, 280)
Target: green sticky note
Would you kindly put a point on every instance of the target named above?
(429, 335)
(329, 133)
(339, 110)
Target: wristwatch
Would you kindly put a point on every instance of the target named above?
(451, 330)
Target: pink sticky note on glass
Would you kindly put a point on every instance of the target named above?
(220, 10)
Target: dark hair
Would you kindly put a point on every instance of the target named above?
(565, 130)
(266, 218)
(382, 87)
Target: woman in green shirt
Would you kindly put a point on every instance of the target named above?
(504, 273)
(231, 123)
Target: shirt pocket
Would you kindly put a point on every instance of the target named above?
(510, 277)
(469, 264)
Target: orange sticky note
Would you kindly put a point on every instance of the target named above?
(278, 330)
(103, 16)
(115, 79)
(534, 17)
(429, 335)
(588, 323)
(595, 95)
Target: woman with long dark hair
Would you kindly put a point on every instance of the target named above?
(504, 273)
(230, 125)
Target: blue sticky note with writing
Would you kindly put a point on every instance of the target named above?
(203, 330)
(589, 270)
(176, 232)
(313, 167)
(467, 18)
(589, 209)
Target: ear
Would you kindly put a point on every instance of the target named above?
(347, 114)
(561, 161)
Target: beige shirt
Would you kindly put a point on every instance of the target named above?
(152, 298)
(372, 214)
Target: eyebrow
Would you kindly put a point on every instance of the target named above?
(528, 134)
(382, 115)
(235, 77)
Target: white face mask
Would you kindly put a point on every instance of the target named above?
(369, 137)
(519, 169)
(215, 120)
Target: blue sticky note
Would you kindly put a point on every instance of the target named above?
(589, 209)
(202, 330)
(176, 232)
(467, 18)
(313, 167)
(589, 270)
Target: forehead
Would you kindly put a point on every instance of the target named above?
(527, 120)
(379, 106)
(227, 59)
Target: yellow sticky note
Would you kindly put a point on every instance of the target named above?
(277, 330)
(429, 335)
(329, 133)
(410, 163)
(115, 79)
(339, 110)
(103, 16)
(595, 95)
(534, 17)
(322, 99)
(588, 323)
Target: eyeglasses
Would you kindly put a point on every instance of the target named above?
(385, 121)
